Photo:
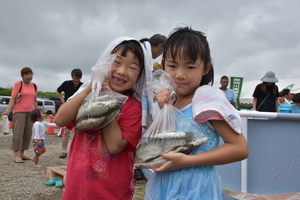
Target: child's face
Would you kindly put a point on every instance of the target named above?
(42, 117)
(187, 75)
(124, 72)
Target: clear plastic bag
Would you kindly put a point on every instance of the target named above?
(101, 106)
(5, 125)
(163, 136)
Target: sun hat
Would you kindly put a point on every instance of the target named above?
(269, 77)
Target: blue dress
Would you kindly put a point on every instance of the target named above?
(199, 183)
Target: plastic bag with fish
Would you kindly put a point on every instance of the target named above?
(170, 131)
(101, 106)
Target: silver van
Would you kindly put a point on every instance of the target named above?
(47, 106)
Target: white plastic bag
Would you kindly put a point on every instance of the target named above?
(5, 125)
(163, 136)
(101, 106)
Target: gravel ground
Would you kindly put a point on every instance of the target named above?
(23, 181)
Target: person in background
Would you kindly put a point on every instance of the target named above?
(296, 103)
(69, 87)
(38, 137)
(157, 44)
(286, 94)
(266, 93)
(228, 92)
(23, 101)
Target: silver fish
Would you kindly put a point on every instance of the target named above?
(97, 113)
(148, 153)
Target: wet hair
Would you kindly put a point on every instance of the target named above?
(76, 72)
(35, 115)
(296, 98)
(190, 45)
(26, 70)
(285, 92)
(224, 77)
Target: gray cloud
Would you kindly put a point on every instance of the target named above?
(247, 38)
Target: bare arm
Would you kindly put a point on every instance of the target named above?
(113, 137)
(60, 96)
(254, 103)
(234, 149)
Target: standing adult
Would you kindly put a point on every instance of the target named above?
(157, 44)
(266, 93)
(229, 93)
(22, 102)
(69, 87)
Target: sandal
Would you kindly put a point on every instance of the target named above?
(26, 158)
(59, 184)
(52, 181)
(63, 155)
(18, 161)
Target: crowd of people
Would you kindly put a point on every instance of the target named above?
(101, 161)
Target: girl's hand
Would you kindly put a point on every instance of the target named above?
(163, 97)
(175, 161)
(105, 85)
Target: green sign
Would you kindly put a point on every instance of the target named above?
(236, 84)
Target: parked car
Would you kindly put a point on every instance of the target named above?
(47, 106)
(4, 100)
(57, 102)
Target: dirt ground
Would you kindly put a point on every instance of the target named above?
(23, 181)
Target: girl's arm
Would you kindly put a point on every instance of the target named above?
(67, 111)
(234, 149)
(113, 137)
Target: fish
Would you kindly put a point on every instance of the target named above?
(95, 114)
(148, 151)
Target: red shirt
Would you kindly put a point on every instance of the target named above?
(93, 172)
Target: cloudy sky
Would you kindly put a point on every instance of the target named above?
(247, 38)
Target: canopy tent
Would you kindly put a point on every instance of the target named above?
(249, 86)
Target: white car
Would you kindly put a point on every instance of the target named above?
(47, 106)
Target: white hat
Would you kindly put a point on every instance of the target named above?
(269, 77)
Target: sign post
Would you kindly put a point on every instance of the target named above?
(236, 84)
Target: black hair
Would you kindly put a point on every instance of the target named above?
(76, 72)
(35, 115)
(285, 91)
(134, 47)
(224, 77)
(296, 98)
(194, 45)
(158, 39)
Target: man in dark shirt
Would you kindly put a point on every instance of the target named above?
(69, 88)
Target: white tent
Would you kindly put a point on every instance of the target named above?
(249, 86)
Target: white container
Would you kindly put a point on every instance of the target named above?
(5, 125)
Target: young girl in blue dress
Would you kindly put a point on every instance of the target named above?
(187, 59)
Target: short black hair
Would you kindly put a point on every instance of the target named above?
(296, 98)
(35, 115)
(224, 77)
(76, 72)
(285, 91)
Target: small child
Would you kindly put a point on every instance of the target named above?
(38, 134)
